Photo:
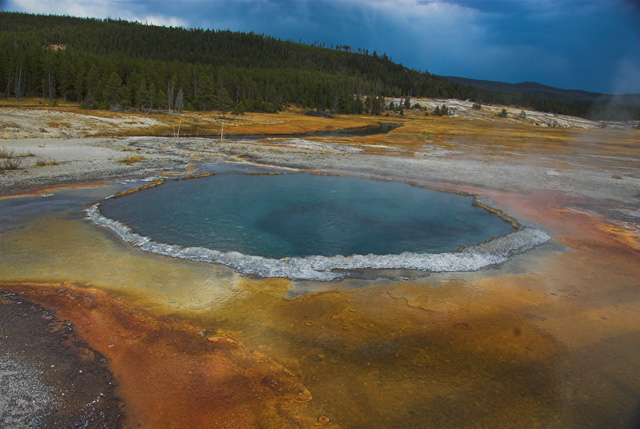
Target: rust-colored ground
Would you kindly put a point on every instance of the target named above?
(549, 339)
(171, 374)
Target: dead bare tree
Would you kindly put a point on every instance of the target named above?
(170, 95)
(9, 81)
(18, 82)
(51, 80)
(180, 100)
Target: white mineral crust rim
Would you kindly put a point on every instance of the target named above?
(471, 258)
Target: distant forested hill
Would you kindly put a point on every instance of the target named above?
(106, 63)
(549, 99)
(119, 64)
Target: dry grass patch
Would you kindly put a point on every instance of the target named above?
(10, 164)
(56, 124)
(37, 102)
(132, 159)
(294, 121)
(6, 153)
(490, 137)
(10, 154)
(45, 162)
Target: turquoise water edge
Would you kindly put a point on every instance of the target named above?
(304, 225)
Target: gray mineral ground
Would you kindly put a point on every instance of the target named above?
(48, 377)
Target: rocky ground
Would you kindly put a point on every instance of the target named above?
(76, 160)
(575, 173)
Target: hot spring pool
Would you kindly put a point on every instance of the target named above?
(304, 225)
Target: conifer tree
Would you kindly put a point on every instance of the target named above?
(124, 100)
(161, 99)
(237, 109)
(142, 96)
(98, 97)
(205, 93)
(222, 101)
(112, 90)
(358, 106)
(152, 95)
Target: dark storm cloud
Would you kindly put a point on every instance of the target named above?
(591, 45)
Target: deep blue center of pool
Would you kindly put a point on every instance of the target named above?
(302, 214)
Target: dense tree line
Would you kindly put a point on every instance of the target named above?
(118, 64)
(114, 63)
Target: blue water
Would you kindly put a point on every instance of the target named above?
(303, 214)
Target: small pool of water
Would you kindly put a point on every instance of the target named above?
(299, 215)
(304, 226)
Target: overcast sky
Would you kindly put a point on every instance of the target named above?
(592, 45)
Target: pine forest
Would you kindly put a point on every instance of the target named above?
(116, 64)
